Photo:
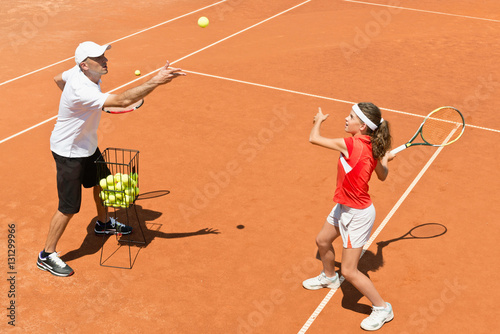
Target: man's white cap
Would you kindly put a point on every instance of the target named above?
(89, 49)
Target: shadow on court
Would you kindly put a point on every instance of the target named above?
(371, 262)
(93, 243)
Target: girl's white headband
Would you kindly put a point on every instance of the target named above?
(365, 119)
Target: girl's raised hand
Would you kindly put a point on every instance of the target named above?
(320, 117)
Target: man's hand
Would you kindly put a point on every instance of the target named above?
(167, 74)
(133, 95)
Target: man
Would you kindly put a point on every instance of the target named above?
(74, 143)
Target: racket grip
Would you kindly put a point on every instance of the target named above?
(398, 149)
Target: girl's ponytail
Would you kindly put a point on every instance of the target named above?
(381, 136)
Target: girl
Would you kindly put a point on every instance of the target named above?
(353, 216)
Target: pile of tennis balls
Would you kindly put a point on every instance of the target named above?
(119, 190)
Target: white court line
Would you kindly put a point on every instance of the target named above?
(423, 11)
(193, 53)
(28, 129)
(321, 97)
(120, 39)
(396, 206)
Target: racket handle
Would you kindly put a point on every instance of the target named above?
(398, 149)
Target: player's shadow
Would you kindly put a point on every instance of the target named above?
(371, 262)
(93, 243)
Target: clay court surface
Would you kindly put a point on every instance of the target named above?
(227, 145)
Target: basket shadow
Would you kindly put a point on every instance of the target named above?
(93, 243)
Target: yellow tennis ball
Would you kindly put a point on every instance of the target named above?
(118, 177)
(111, 180)
(203, 22)
(103, 183)
(119, 186)
(137, 72)
(128, 199)
(125, 180)
(129, 191)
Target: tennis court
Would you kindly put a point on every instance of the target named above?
(227, 145)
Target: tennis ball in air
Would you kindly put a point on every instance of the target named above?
(203, 22)
(137, 72)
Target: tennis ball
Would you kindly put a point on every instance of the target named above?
(203, 22)
(117, 177)
(137, 72)
(125, 180)
(129, 191)
(112, 198)
(103, 195)
(119, 186)
(103, 183)
(128, 199)
(134, 176)
(111, 180)
(119, 196)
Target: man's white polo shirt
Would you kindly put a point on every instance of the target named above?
(75, 132)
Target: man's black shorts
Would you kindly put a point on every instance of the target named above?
(72, 173)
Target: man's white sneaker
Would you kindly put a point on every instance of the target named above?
(321, 282)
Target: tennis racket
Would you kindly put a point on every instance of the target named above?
(118, 110)
(441, 127)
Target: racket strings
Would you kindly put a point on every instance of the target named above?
(443, 127)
